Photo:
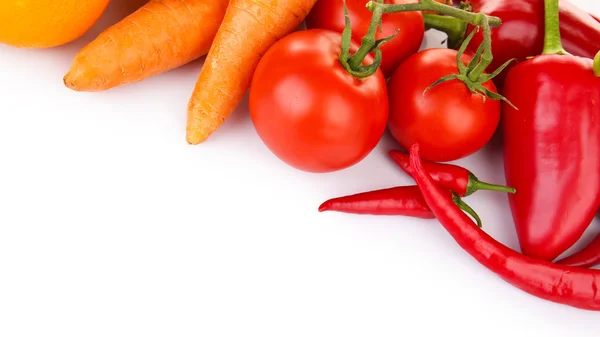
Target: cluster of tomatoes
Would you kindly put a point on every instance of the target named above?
(315, 116)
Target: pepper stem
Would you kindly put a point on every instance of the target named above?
(466, 208)
(475, 185)
(552, 41)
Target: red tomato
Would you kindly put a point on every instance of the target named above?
(448, 122)
(309, 111)
(329, 14)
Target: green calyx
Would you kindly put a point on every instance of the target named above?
(472, 74)
(475, 185)
(466, 208)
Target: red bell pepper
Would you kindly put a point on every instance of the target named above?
(552, 145)
(521, 34)
(570, 286)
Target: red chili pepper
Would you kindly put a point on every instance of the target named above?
(551, 146)
(521, 34)
(401, 200)
(587, 257)
(571, 286)
(458, 179)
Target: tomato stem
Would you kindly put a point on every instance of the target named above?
(552, 42)
(472, 75)
(486, 57)
(353, 63)
(476, 19)
(368, 41)
(434, 6)
(453, 27)
(475, 84)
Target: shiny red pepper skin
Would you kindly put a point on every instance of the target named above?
(453, 177)
(552, 151)
(587, 257)
(521, 34)
(401, 200)
(571, 286)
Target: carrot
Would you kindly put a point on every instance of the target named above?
(160, 36)
(249, 28)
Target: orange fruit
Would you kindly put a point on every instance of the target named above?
(47, 23)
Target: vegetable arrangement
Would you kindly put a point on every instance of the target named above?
(321, 99)
(444, 106)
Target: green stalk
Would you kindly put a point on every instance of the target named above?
(475, 185)
(597, 65)
(466, 208)
(475, 19)
(353, 63)
(552, 41)
(486, 57)
(368, 41)
(453, 27)
(471, 75)
(434, 6)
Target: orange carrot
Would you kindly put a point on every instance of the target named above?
(160, 36)
(249, 28)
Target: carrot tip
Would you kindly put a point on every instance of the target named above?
(66, 81)
(193, 138)
(70, 82)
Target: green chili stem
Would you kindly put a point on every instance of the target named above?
(466, 208)
(475, 185)
(552, 41)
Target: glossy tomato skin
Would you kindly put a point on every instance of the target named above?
(309, 111)
(449, 122)
(329, 14)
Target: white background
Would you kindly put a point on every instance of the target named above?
(111, 225)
